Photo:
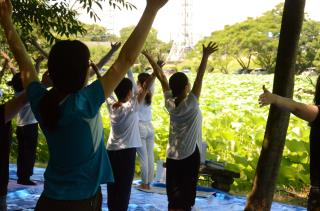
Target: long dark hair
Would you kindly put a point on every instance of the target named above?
(177, 83)
(68, 65)
(316, 98)
(143, 77)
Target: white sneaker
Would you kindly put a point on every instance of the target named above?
(3, 203)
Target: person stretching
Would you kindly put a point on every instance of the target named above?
(124, 139)
(68, 113)
(185, 136)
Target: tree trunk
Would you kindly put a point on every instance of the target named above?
(268, 166)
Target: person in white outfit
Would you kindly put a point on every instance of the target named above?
(123, 140)
(145, 152)
(185, 136)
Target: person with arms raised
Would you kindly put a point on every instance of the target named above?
(68, 113)
(185, 134)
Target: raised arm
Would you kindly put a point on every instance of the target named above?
(95, 69)
(206, 52)
(105, 59)
(38, 63)
(303, 111)
(13, 106)
(145, 87)
(134, 84)
(8, 63)
(131, 48)
(28, 72)
(157, 69)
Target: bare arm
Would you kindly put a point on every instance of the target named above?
(8, 63)
(28, 72)
(95, 70)
(104, 60)
(38, 63)
(131, 48)
(13, 106)
(303, 111)
(207, 51)
(157, 68)
(145, 88)
(134, 84)
(39, 48)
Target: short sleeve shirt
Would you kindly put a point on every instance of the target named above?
(78, 161)
(124, 132)
(185, 131)
(25, 115)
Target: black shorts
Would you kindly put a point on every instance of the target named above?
(181, 181)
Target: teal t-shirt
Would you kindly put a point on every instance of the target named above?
(78, 161)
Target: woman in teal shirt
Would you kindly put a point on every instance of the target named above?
(69, 113)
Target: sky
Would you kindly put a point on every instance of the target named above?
(207, 15)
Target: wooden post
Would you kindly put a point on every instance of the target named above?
(268, 166)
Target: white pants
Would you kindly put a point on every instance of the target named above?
(145, 152)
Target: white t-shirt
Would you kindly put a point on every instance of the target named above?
(185, 126)
(25, 115)
(145, 114)
(124, 131)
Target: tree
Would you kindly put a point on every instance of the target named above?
(309, 45)
(275, 135)
(258, 38)
(54, 19)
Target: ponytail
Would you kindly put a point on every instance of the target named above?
(49, 109)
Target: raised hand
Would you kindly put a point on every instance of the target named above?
(209, 49)
(115, 46)
(5, 56)
(160, 61)
(5, 11)
(155, 66)
(266, 98)
(157, 70)
(39, 59)
(157, 4)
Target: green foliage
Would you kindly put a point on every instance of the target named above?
(309, 45)
(233, 127)
(97, 33)
(55, 19)
(257, 38)
(46, 21)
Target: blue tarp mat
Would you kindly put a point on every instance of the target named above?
(25, 197)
